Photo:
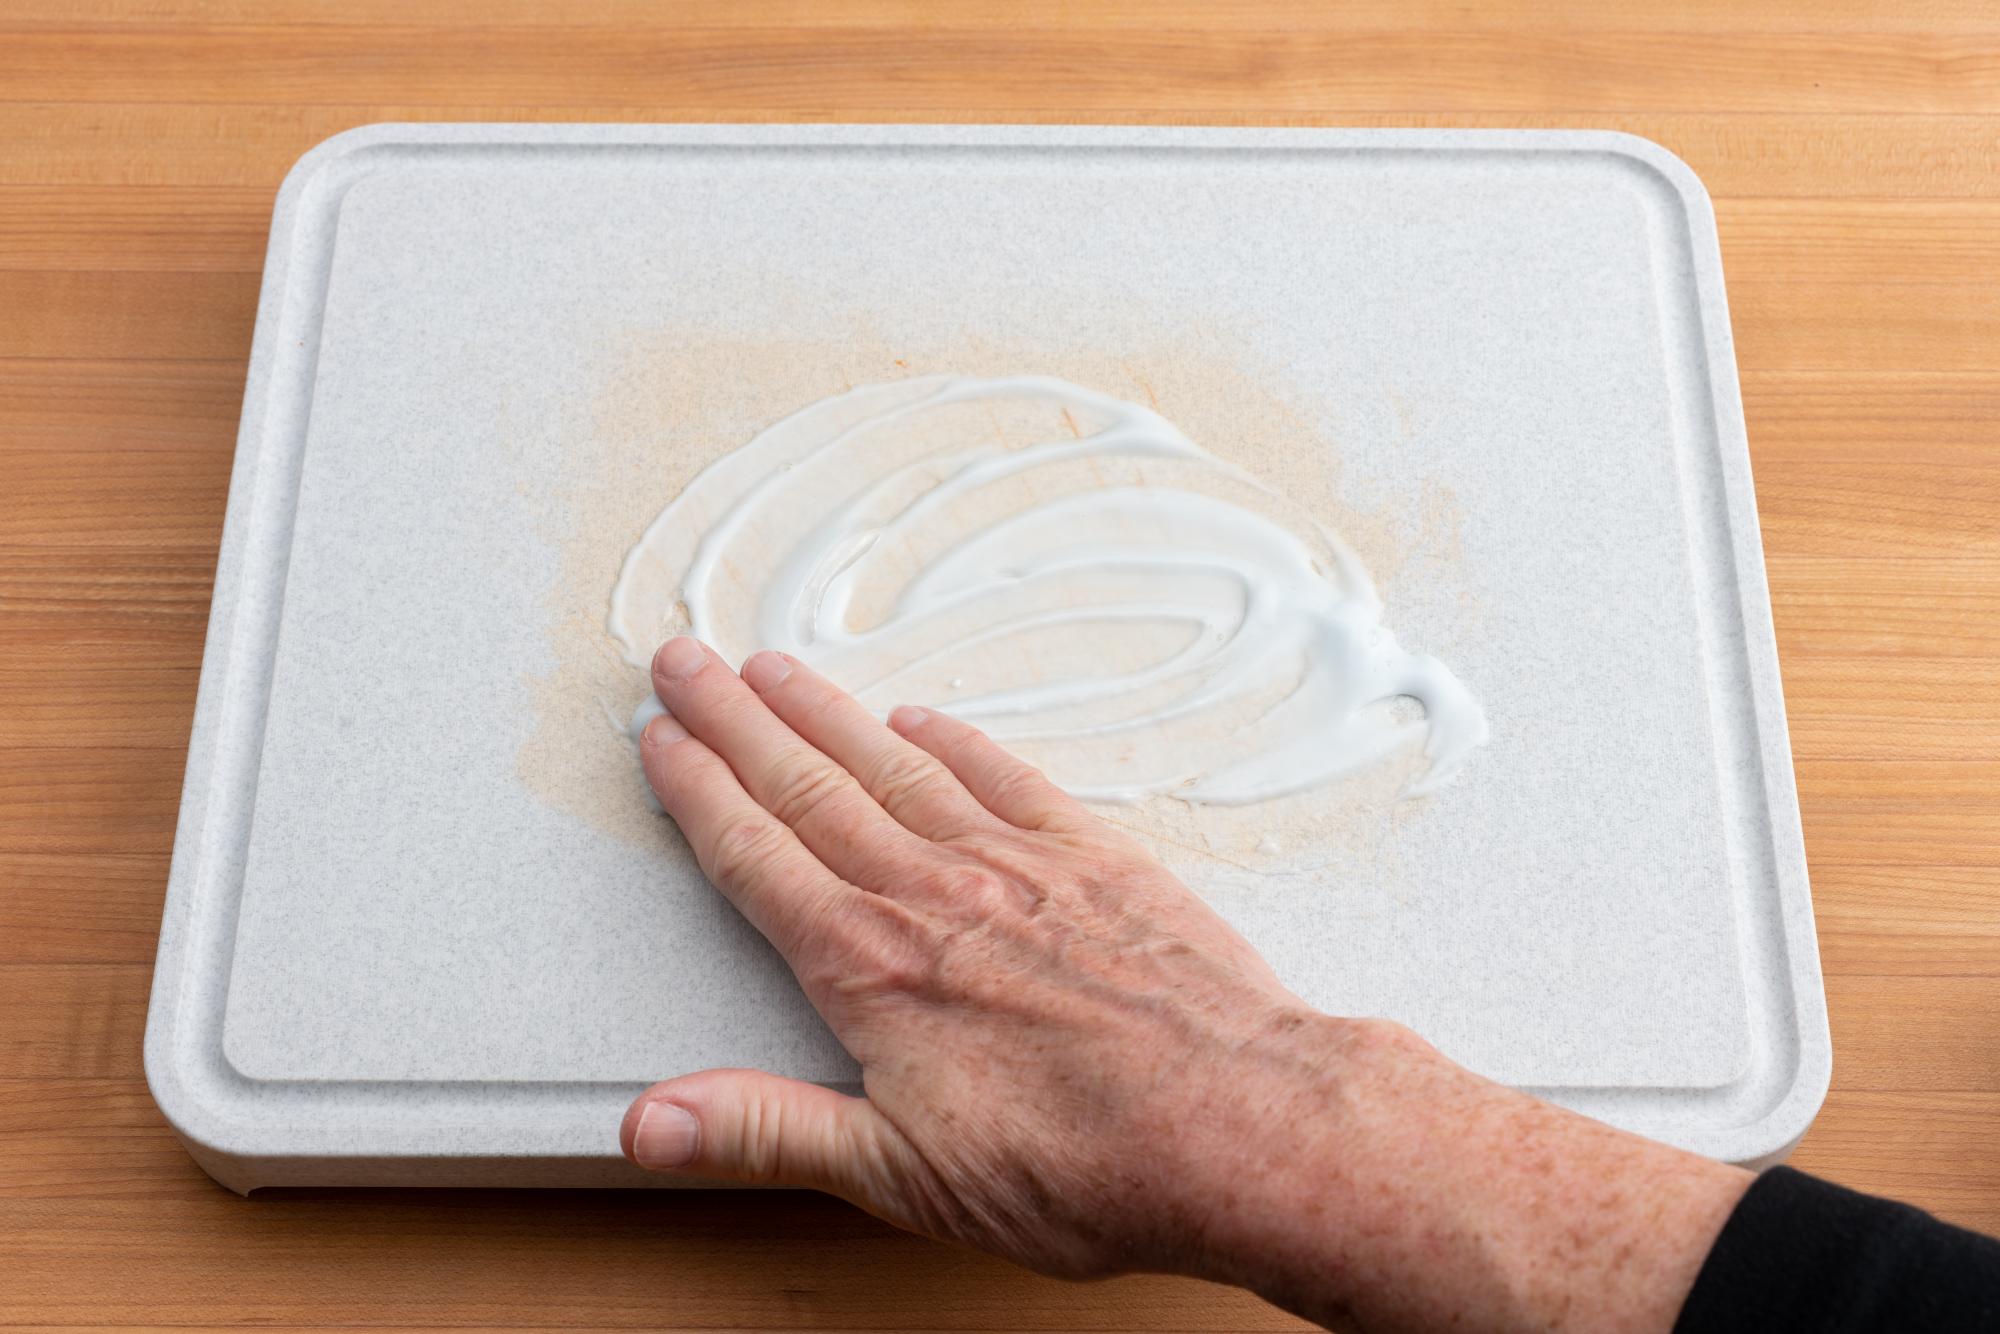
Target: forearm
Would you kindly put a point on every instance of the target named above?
(1393, 1190)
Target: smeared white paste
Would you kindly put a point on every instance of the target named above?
(1093, 589)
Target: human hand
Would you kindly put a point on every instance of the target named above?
(1059, 1042)
(1070, 1061)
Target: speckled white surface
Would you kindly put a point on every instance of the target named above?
(385, 960)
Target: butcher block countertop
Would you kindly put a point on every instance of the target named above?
(1853, 152)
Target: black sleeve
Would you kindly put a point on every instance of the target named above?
(1804, 1254)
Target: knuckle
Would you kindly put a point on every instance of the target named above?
(905, 973)
(889, 964)
(739, 849)
(866, 945)
(800, 784)
(760, 1140)
(669, 783)
(903, 779)
(1019, 783)
(831, 931)
(676, 769)
(963, 740)
(875, 976)
(980, 885)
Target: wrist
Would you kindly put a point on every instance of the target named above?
(1286, 1160)
(1383, 1186)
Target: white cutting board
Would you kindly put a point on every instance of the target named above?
(421, 925)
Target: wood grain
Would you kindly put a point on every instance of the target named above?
(1851, 149)
(693, 69)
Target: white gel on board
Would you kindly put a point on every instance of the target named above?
(1090, 587)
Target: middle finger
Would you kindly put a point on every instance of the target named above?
(905, 780)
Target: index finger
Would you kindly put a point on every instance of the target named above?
(749, 854)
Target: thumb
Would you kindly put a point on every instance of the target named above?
(745, 1125)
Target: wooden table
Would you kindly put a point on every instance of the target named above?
(1854, 153)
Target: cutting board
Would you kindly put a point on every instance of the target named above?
(423, 925)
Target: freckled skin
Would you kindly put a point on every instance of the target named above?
(1069, 1060)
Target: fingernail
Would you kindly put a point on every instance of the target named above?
(904, 717)
(664, 731)
(679, 658)
(765, 670)
(666, 1136)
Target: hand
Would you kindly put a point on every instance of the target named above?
(1053, 1032)
(1069, 1060)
